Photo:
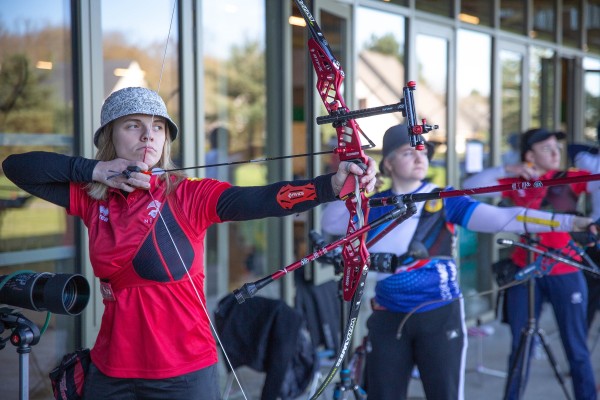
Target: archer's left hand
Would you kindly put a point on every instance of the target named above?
(346, 168)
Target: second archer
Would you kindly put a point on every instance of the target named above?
(415, 266)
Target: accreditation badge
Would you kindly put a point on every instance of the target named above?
(106, 291)
(433, 206)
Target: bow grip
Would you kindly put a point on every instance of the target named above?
(349, 187)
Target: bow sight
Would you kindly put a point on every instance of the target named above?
(406, 106)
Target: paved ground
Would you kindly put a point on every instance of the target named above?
(485, 352)
(486, 365)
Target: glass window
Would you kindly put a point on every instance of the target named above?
(235, 113)
(570, 21)
(431, 98)
(544, 20)
(542, 88)
(381, 75)
(511, 65)
(472, 146)
(301, 66)
(512, 15)
(36, 114)
(477, 12)
(399, 2)
(592, 26)
(473, 106)
(140, 48)
(591, 109)
(443, 8)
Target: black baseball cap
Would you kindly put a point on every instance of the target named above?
(537, 135)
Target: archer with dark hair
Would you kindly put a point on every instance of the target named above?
(564, 286)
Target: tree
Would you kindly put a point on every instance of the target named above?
(386, 44)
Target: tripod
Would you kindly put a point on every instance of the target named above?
(519, 369)
(24, 335)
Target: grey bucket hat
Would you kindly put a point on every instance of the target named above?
(134, 100)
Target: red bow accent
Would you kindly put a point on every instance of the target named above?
(330, 77)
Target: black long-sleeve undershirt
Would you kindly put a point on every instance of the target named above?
(51, 183)
(47, 175)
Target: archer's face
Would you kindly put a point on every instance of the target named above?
(545, 155)
(406, 164)
(140, 137)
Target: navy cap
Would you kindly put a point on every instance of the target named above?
(395, 137)
(537, 135)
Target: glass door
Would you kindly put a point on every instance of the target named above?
(509, 119)
(430, 67)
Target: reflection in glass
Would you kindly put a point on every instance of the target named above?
(541, 88)
(570, 22)
(443, 8)
(592, 26)
(472, 145)
(431, 97)
(512, 15)
(134, 40)
(591, 109)
(381, 76)
(235, 112)
(36, 114)
(511, 82)
(544, 20)
(473, 95)
(477, 12)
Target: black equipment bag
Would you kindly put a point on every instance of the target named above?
(504, 271)
(69, 376)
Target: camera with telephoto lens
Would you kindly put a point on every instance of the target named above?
(57, 293)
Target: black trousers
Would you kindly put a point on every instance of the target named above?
(435, 341)
(198, 385)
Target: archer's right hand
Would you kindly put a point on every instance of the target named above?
(115, 174)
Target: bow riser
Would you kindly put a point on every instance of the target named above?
(330, 77)
(354, 253)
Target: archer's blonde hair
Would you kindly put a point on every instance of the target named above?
(106, 152)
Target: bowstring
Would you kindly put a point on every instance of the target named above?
(187, 272)
(197, 292)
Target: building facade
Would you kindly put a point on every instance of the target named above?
(237, 79)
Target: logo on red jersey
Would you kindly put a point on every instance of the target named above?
(103, 213)
(289, 195)
(154, 207)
